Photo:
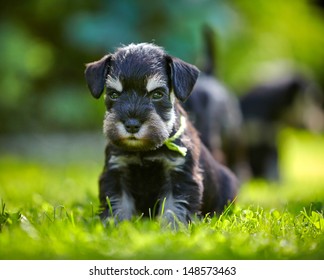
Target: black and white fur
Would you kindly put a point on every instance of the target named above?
(143, 88)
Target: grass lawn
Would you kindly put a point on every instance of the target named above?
(48, 211)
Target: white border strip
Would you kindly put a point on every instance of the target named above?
(159, 270)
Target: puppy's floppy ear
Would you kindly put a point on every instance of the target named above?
(183, 77)
(96, 74)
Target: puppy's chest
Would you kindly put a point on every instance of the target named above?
(146, 178)
(147, 173)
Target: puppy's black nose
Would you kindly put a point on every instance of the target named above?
(132, 125)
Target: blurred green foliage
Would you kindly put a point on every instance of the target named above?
(45, 44)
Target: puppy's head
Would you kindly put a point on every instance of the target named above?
(141, 82)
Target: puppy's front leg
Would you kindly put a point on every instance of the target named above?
(114, 198)
(174, 209)
(181, 201)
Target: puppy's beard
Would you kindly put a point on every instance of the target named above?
(152, 134)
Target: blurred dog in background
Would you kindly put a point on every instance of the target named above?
(242, 132)
(215, 112)
(293, 99)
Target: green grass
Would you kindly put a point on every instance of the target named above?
(48, 211)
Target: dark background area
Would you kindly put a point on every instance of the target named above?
(44, 46)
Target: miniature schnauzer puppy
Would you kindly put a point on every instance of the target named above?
(155, 162)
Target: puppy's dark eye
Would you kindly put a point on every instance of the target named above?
(113, 95)
(157, 95)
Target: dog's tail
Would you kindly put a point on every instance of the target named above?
(210, 46)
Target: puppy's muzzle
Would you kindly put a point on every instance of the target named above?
(132, 125)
